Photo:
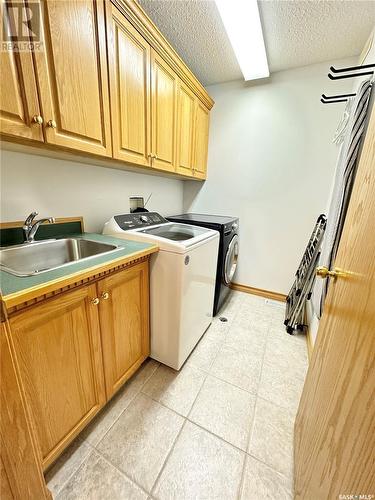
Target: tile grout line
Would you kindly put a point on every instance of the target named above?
(93, 447)
(186, 418)
(269, 466)
(290, 410)
(123, 473)
(124, 410)
(199, 425)
(242, 480)
(250, 434)
(55, 497)
(167, 458)
(78, 438)
(172, 409)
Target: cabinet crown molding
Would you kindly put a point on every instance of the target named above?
(140, 20)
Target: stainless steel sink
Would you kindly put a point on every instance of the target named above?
(41, 256)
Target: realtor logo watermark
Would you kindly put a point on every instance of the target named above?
(21, 27)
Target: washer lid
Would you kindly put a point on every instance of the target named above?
(176, 237)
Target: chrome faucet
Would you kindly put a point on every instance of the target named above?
(30, 227)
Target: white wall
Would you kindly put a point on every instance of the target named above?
(61, 188)
(271, 161)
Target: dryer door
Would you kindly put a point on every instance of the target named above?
(231, 260)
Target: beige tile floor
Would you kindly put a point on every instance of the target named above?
(221, 428)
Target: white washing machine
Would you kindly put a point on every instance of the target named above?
(182, 280)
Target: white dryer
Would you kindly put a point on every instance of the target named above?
(182, 280)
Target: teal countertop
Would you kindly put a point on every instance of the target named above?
(10, 284)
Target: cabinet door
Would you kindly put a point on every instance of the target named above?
(185, 129)
(129, 74)
(72, 72)
(58, 350)
(201, 140)
(18, 91)
(163, 113)
(21, 475)
(124, 320)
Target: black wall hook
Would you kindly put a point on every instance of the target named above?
(340, 77)
(332, 101)
(337, 96)
(351, 68)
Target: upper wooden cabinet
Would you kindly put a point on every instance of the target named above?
(164, 113)
(129, 75)
(185, 130)
(19, 105)
(124, 320)
(142, 106)
(201, 140)
(60, 361)
(72, 74)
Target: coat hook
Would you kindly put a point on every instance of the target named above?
(351, 68)
(337, 96)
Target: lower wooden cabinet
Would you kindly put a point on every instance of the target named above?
(74, 351)
(58, 348)
(124, 320)
(21, 475)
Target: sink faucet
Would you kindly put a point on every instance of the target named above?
(30, 228)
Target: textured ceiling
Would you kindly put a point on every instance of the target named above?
(296, 32)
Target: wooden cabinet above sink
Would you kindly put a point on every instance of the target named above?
(68, 96)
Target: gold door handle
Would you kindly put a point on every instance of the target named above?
(52, 124)
(156, 157)
(105, 296)
(323, 272)
(95, 301)
(38, 119)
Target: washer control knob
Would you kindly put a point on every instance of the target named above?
(234, 226)
(143, 218)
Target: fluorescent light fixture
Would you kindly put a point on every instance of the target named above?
(242, 23)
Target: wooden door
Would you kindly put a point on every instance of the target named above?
(60, 361)
(124, 320)
(201, 140)
(335, 425)
(185, 129)
(19, 105)
(163, 113)
(72, 73)
(129, 74)
(5, 489)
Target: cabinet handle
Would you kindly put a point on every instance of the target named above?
(95, 301)
(37, 119)
(105, 295)
(52, 124)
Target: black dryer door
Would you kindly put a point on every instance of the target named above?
(231, 260)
